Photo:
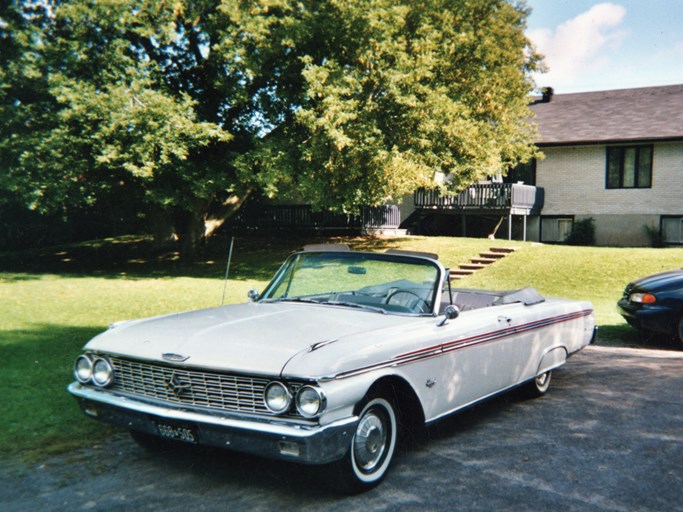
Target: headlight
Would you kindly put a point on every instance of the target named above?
(643, 298)
(310, 401)
(102, 372)
(83, 369)
(277, 397)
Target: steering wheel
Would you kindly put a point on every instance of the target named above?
(408, 299)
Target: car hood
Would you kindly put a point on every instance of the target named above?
(254, 338)
(660, 281)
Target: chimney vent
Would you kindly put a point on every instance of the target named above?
(547, 94)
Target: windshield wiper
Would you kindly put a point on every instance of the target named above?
(295, 299)
(355, 305)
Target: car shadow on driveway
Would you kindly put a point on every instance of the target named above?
(605, 437)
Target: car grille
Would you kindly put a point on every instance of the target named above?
(196, 388)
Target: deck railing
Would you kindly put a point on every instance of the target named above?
(304, 217)
(489, 196)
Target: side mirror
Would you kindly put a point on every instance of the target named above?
(451, 312)
(253, 295)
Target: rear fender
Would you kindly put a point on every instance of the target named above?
(552, 358)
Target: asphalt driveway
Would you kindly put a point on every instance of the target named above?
(608, 436)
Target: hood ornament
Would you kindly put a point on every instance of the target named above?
(174, 358)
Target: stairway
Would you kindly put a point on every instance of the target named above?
(482, 261)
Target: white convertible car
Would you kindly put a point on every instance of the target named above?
(341, 355)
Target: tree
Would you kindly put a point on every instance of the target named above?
(186, 108)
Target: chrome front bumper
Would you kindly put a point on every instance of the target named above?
(297, 443)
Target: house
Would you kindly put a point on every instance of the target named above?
(614, 156)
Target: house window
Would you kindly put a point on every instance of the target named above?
(556, 229)
(629, 167)
(525, 173)
(672, 230)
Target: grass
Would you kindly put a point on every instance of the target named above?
(53, 300)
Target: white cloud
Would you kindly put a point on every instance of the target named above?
(581, 43)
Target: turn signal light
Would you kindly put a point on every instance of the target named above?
(643, 298)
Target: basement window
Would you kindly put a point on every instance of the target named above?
(672, 230)
(556, 229)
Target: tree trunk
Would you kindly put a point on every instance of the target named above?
(161, 227)
(194, 226)
(191, 230)
(226, 210)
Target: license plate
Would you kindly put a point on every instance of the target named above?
(185, 433)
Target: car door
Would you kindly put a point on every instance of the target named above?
(485, 354)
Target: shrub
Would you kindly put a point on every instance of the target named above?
(583, 232)
(655, 235)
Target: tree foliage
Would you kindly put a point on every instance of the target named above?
(183, 108)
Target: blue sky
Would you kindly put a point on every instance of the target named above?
(600, 45)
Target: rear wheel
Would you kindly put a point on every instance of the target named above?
(539, 386)
(372, 447)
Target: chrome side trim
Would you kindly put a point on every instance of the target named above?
(542, 369)
(451, 346)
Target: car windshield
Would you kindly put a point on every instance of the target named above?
(384, 283)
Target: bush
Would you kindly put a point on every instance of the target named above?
(655, 235)
(583, 232)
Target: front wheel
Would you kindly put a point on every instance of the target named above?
(372, 447)
(539, 386)
(679, 330)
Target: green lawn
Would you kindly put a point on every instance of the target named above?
(53, 301)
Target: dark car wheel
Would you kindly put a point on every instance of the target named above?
(679, 330)
(372, 447)
(538, 386)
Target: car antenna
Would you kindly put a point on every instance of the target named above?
(227, 270)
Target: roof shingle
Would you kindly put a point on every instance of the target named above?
(625, 115)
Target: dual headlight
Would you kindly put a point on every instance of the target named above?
(310, 401)
(93, 369)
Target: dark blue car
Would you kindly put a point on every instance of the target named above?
(655, 303)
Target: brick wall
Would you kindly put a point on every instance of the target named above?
(574, 183)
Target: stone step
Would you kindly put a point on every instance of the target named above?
(503, 250)
(471, 266)
(484, 261)
(461, 272)
(493, 255)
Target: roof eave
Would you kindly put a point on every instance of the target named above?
(649, 140)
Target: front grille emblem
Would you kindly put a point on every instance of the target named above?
(177, 386)
(174, 358)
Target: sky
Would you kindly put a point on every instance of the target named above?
(593, 45)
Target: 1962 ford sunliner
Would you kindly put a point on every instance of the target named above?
(339, 356)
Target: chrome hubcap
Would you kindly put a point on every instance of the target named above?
(370, 441)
